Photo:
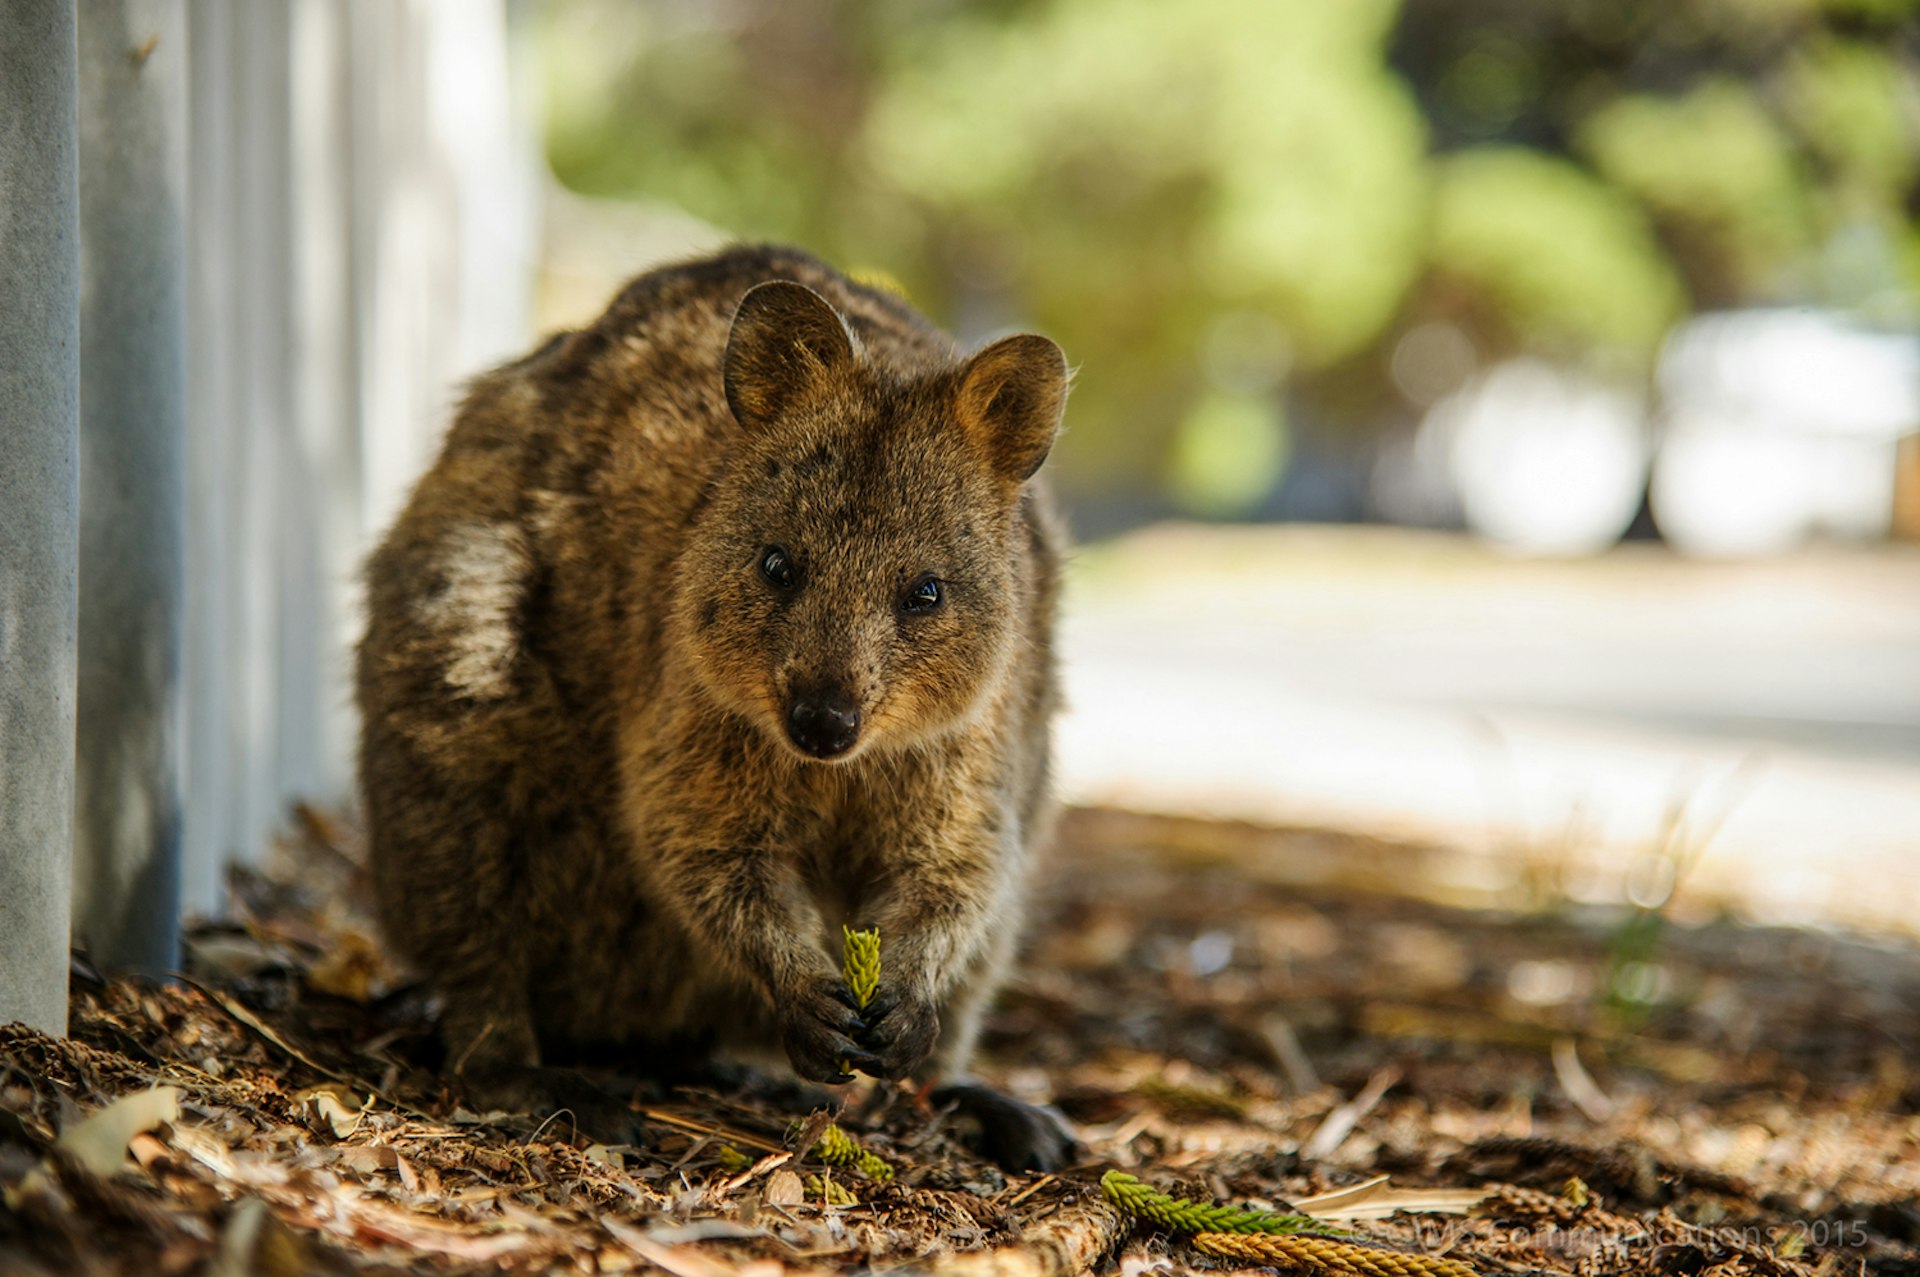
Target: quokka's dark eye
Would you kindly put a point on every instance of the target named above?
(778, 568)
(922, 596)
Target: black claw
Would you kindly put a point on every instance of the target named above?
(825, 1035)
(827, 1071)
(877, 1009)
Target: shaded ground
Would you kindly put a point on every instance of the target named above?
(1235, 1013)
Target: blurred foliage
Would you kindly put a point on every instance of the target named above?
(1281, 168)
(1229, 453)
(1854, 104)
(1557, 258)
(1231, 211)
(1718, 171)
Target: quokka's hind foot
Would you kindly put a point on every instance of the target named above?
(1016, 1135)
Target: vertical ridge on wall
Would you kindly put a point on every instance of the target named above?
(213, 638)
(133, 316)
(316, 576)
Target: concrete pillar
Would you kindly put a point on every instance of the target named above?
(39, 502)
(132, 71)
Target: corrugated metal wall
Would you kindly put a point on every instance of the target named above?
(363, 193)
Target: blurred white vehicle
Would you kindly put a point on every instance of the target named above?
(1780, 425)
(1545, 460)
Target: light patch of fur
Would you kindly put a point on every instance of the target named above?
(477, 614)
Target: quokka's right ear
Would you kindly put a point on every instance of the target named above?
(1011, 397)
(786, 344)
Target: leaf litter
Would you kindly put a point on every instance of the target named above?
(1277, 1021)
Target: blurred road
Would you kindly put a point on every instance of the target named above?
(1527, 712)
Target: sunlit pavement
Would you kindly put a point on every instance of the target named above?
(1526, 712)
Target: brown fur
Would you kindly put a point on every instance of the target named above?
(589, 826)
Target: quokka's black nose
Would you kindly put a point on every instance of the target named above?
(824, 723)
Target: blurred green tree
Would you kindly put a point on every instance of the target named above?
(1552, 258)
(1231, 211)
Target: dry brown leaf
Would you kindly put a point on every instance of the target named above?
(146, 1150)
(684, 1261)
(349, 967)
(100, 1142)
(1377, 1199)
(424, 1232)
(368, 1158)
(604, 1156)
(331, 1106)
(784, 1188)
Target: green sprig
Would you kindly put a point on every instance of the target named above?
(828, 1190)
(837, 1148)
(1142, 1202)
(860, 968)
(860, 963)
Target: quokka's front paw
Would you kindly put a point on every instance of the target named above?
(901, 1028)
(820, 1029)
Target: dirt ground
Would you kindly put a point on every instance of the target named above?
(1234, 1014)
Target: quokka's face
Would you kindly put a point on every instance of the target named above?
(853, 589)
(851, 583)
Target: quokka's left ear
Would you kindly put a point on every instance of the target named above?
(786, 345)
(1010, 400)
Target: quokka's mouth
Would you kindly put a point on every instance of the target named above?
(836, 759)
